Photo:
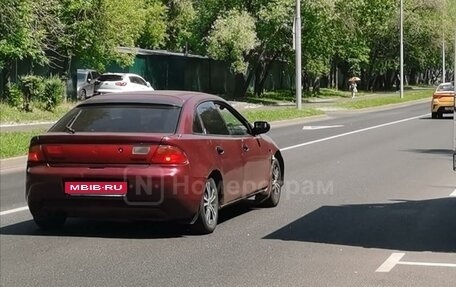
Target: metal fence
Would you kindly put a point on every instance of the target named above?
(173, 71)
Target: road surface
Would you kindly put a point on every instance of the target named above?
(369, 200)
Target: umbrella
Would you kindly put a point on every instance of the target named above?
(354, 79)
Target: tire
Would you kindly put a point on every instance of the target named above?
(209, 209)
(275, 187)
(434, 115)
(50, 221)
(83, 95)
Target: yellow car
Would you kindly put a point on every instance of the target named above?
(443, 100)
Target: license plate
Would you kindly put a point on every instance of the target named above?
(448, 108)
(117, 188)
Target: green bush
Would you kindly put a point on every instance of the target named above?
(14, 96)
(33, 88)
(53, 93)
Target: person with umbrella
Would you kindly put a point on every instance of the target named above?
(353, 86)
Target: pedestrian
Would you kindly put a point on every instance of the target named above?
(353, 88)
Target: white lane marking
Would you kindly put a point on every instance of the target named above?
(389, 264)
(306, 128)
(13, 210)
(427, 264)
(453, 194)
(284, 149)
(351, 133)
(395, 259)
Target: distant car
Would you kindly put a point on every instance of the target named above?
(85, 83)
(162, 155)
(443, 100)
(116, 82)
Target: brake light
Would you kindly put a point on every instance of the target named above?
(166, 154)
(122, 84)
(35, 154)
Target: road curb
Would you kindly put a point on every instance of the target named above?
(13, 163)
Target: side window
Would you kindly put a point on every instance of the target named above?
(197, 128)
(234, 125)
(211, 119)
(138, 81)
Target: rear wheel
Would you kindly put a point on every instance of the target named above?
(50, 221)
(275, 187)
(209, 209)
(83, 95)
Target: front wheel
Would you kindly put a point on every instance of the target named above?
(209, 209)
(275, 187)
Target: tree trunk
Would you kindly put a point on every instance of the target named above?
(264, 75)
(6, 78)
(316, 85)
(240, 89)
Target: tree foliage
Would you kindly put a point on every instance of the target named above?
(357, 37)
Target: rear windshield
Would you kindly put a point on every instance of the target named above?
(445, 88)
(110, 78)
(120, 119)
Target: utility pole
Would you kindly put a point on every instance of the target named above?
(454, 104)
(443, 59)
(402, 49)
(298, 55)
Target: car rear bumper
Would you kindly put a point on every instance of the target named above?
(443, 108)
(154, 193)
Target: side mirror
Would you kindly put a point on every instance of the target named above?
(261, 127)
(148, 84)
(89, 81)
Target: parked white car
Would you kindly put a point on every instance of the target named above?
(117, 82)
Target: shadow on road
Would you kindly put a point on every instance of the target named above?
(428, 225)
(445, 117)
(123, 229)
(448, 152)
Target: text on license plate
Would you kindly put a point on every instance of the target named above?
(96, 188)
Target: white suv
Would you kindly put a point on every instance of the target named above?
(116, 82)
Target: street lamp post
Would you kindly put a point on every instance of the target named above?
(298, 54)
(443, 59)
(402, 50)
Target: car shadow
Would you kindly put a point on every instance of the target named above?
(123, 229)
(428, 225)
(445, 117)
(448, 152)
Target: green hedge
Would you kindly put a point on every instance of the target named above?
(44, 93)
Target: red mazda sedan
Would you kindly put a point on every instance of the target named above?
(161, 155)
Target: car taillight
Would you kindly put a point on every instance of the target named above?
(166, 154)
(53, 150)
(35, 155)
(122, 84)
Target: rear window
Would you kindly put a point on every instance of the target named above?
(110, 78)
(445, 88)
(120, 119)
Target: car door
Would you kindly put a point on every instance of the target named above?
(255, 153)
(226, 150)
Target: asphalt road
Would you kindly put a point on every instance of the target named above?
(366, 203)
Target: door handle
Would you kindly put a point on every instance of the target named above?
(220, 150)
(245, 147)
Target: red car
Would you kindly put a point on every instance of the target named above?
(161, 155)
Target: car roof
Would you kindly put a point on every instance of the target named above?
(121, 74)
(161, 97)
